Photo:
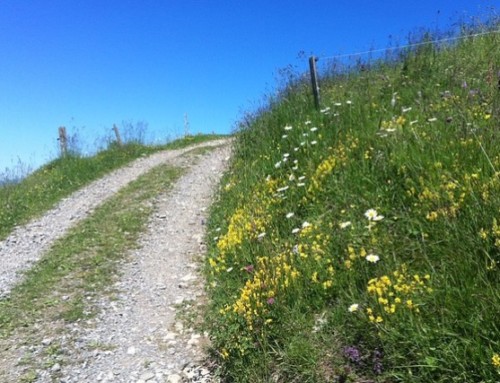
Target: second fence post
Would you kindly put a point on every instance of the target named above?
(117, 134)
(63, 141)
(314, 80)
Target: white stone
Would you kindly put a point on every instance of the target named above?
(131, 350)
(174, 378)
(147, 376)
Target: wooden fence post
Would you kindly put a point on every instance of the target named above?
(314, 80)
(63, 141)
(117, 134)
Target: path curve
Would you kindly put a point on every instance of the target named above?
(28, 243)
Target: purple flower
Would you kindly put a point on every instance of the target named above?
(270, 301)
(353, 354)
(377, 361)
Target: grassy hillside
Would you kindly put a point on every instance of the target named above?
(361, 243)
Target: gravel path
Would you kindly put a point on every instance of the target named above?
(28, 243)
(136, 337)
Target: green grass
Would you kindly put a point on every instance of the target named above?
(308, 283)
(38, 192)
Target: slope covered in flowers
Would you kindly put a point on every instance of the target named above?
(362, 242)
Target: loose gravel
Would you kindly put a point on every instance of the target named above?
(136, 336)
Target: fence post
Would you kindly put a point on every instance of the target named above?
(63, 141)
(117, 134)
(186, 125)
(314, 80)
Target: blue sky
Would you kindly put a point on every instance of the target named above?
(88, 64)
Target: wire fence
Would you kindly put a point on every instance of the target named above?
(343, 64)
(407, 46)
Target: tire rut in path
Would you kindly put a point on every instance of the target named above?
(140, 338)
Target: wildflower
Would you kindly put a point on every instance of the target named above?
(307, 122)
(325, 110)
(261, 235)
(413, 122)
(277, 164)
(432, 119)
(288, 127)
(372, 258)
(284, 188)
(313, 129)
(302, 178)
(432, 216)
(290, 215)
(229, 269)
(305, 224)
(286, 155)
(495, 360)
(354, 307)
(314, 142)
(284, 136)
(393, 99)
(353, 354)
(377, 362)
(338, 104)
(295, 231)
(404, 110)
(372, 215)
(348, 102)
(343, 225)
(270, 301)
(483, 234)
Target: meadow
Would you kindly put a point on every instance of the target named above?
(361, 242)
(355, 243)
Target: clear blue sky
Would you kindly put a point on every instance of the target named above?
(89, 64)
